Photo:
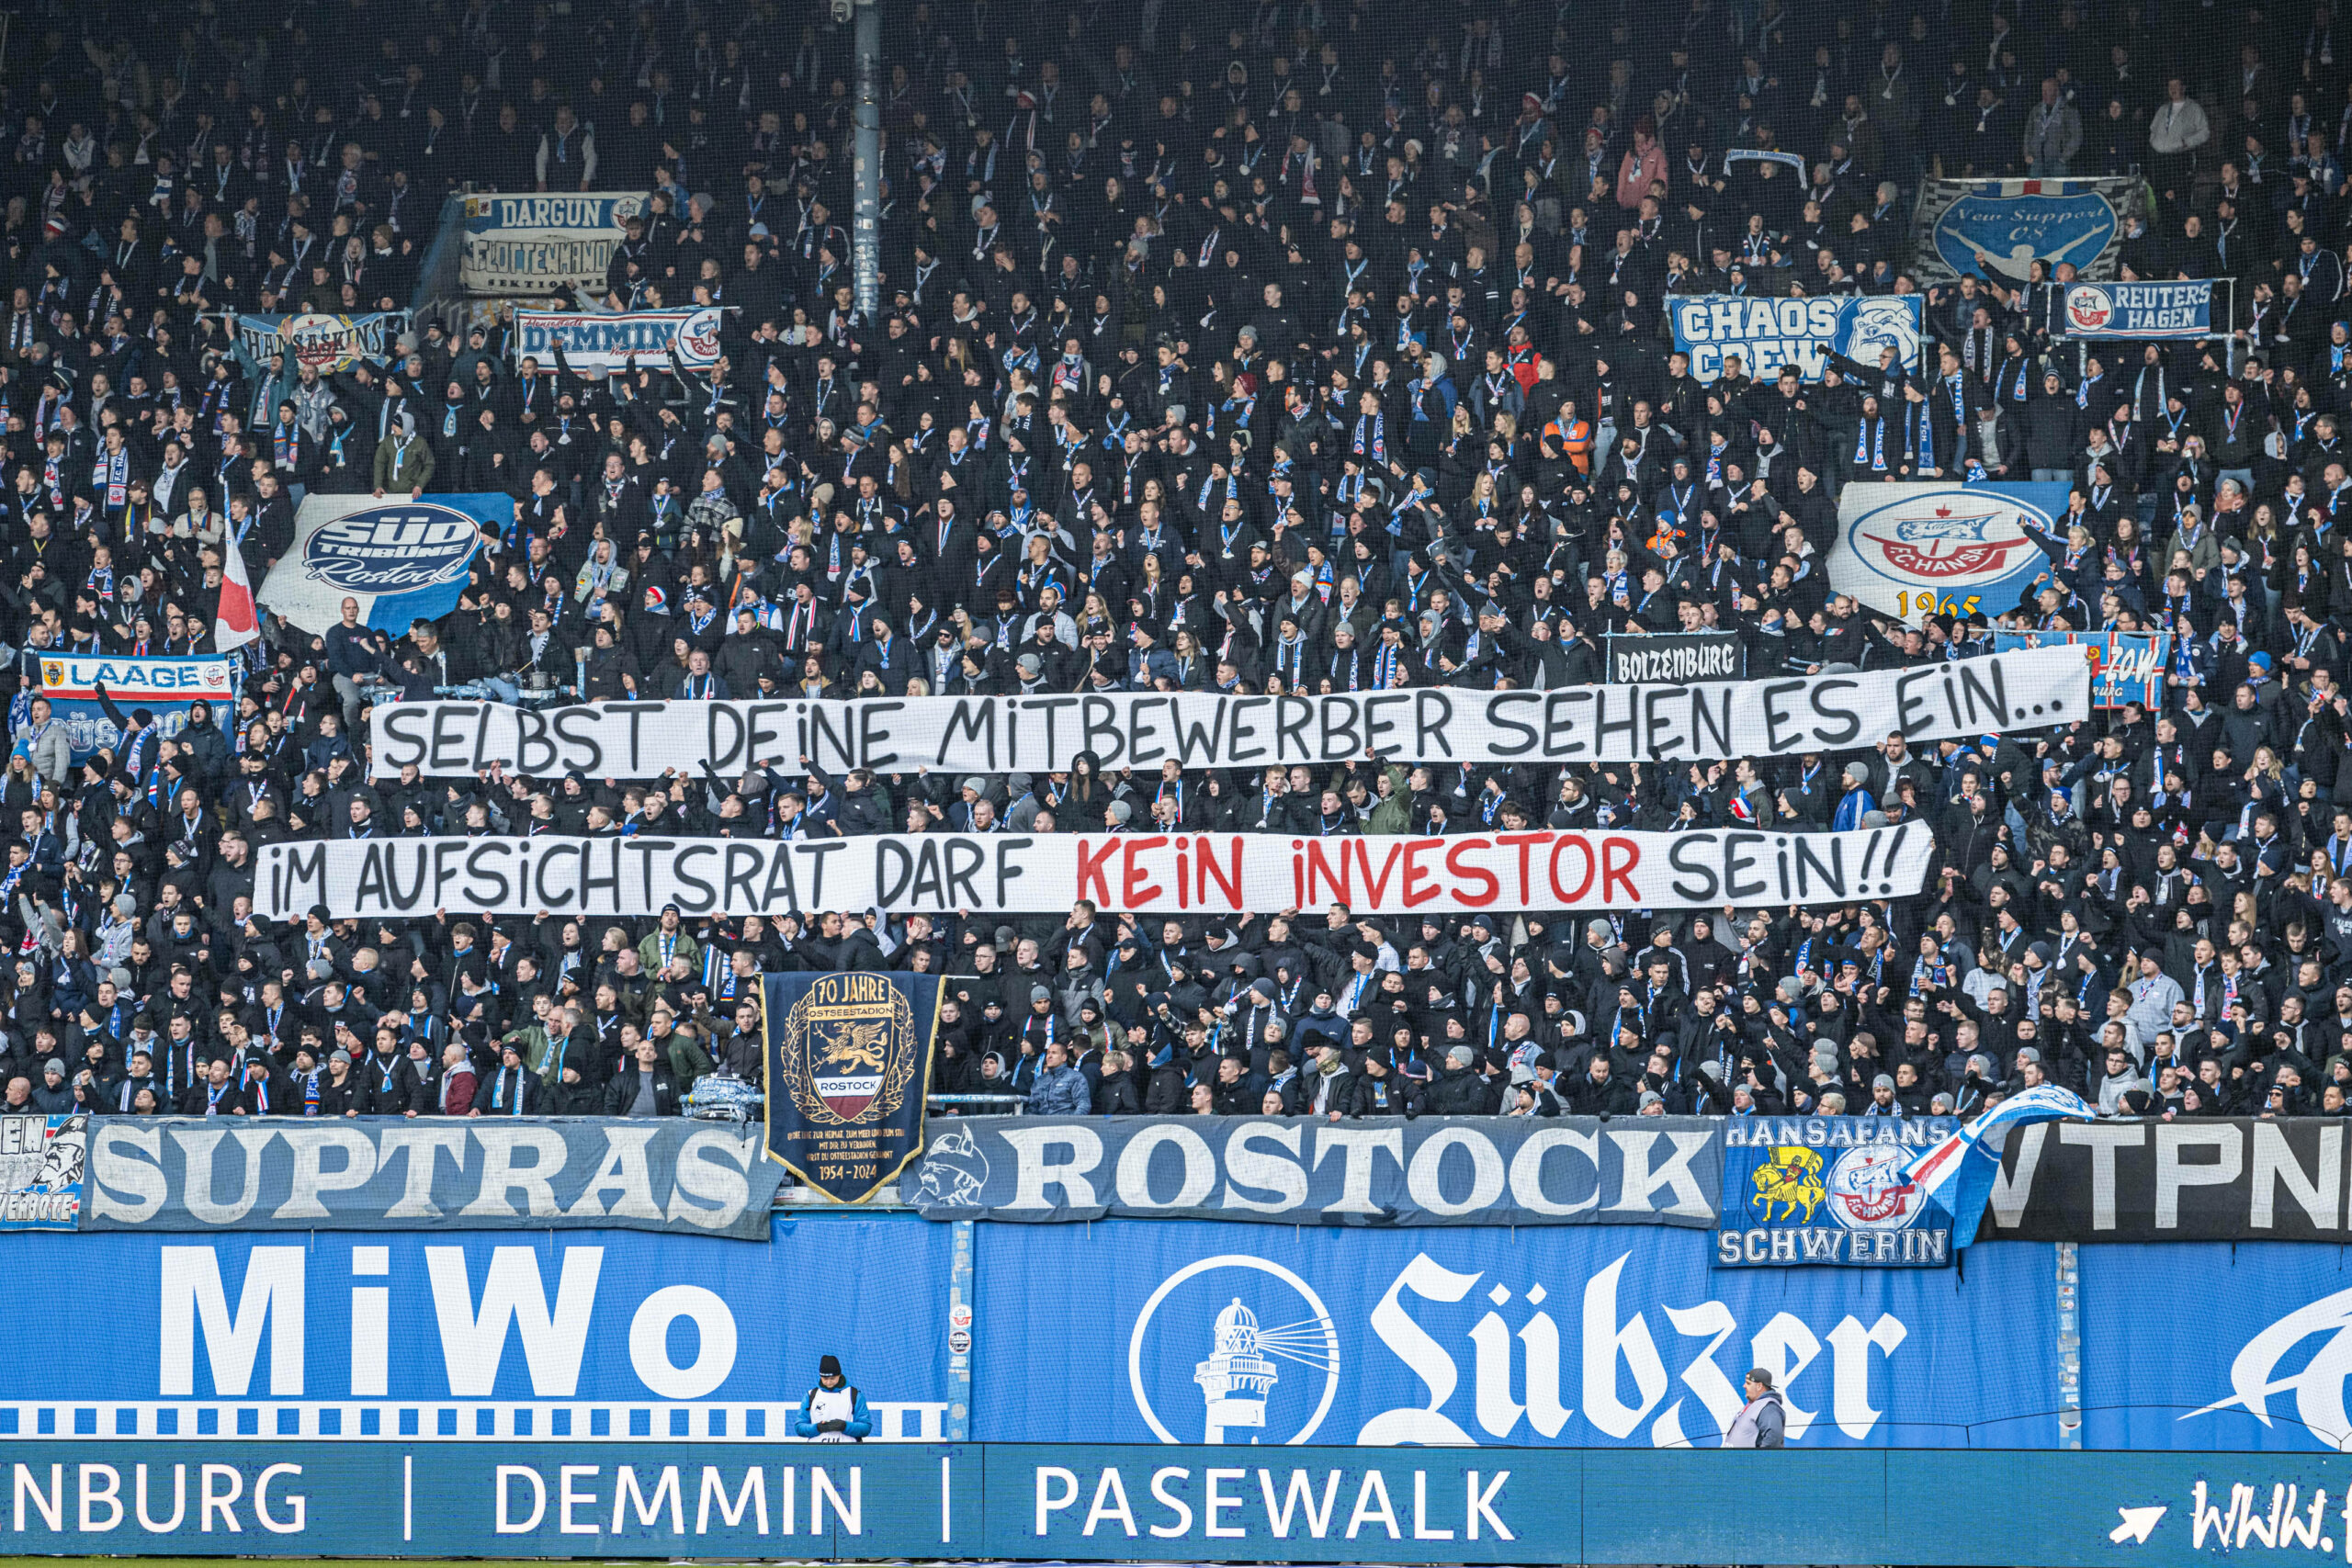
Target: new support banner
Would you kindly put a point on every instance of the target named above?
(1829, 1189)
(1766, 333)
(604, 341)
(537, 245)
(166, 688)
(2140, 310)
(1668, 657)
(1210, 874)
(1998, 228)
(236, 1173)
(402, 560)
(2126, 667)
(1914, 551)
(1669, 718)
(1435, 1170)
(323, 344)
(848, 1068)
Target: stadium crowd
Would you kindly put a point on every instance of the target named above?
(1306, 345)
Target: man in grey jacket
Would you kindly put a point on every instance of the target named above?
(1761, 1423)
(52, 749)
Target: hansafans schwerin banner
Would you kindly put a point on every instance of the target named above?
(403, 561)
(848, 1065)
(491, 1172)
(1829, 1189)
(1915, 550)
(1436, 1170)
(2223, 1179)
(1209, 873)
(1674, 720)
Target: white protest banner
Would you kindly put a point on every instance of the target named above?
(1572, 724)
(1013, 872)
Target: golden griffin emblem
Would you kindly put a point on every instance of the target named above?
(52, 673)
(1791, 1179)
(848, 1049)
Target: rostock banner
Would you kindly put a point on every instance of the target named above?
(1210, 874)
(1672, 720)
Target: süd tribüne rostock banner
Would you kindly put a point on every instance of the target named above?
(1140, 730)
(1013, 872)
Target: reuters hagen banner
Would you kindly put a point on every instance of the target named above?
(1211, 872)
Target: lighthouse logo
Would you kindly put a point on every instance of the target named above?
(1259, 1348)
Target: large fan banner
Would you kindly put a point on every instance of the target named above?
(1212, 873)
(1632, 723)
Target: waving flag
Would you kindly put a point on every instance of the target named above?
(235, 622)
(1960, 1170)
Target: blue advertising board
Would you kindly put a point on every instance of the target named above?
(1593, 1336)
(2140, 310)
(1765, 333)
(1830, 1190)
(166, 688)
(1914, 551)
(457, 1334)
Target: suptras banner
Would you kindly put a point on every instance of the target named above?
(1010, 873)
(1044, 734)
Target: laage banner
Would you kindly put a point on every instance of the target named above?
(166, 688)
(1212, 873)
(1673, 718)
(848, 1068)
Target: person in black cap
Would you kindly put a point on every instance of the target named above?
(835, 1412)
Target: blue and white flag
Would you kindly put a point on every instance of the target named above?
(2140, 310)
(607, 340)
(1959, 1170)
(402, 559)
(1915, 550)
(1998, 229)
(1765, 333)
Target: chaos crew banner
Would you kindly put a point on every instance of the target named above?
(1210, 874)
(1767, 334)
(1677, 720)
(537, 245)
(848, 1068)
(606, 340)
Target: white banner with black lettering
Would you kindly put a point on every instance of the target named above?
(1637, 723)
(1013, 872)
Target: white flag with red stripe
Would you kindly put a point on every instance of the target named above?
(236, 623)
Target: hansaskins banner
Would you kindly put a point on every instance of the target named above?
(271, 1173)
(607, 340)
(1673, 719)
(321, 343)
(166, 688)
(1999, 228)
(537, 245)
(1917, 550)
(1210, 874)
(402, 559)
(1434, 1170)
(1765, 333)
(2140, 310)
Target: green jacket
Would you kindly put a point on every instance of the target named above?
(1393, 814)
